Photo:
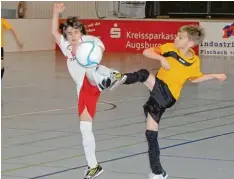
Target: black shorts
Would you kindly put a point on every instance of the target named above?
(160, 99)
(2, 53)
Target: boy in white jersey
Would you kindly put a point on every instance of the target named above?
(89, 81)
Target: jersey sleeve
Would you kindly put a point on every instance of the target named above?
(6, 24)
(86, 38)
(161, 49)
(63, 44)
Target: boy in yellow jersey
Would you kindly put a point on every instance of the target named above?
(6, 26)
(178, 64)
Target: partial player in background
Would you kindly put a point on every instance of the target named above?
(90, 81)
(178, 65)
(7, 26)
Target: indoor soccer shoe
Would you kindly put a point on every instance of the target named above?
(93, 173)
(119, 79)
(160, 176)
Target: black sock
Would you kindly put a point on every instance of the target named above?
(139, 76)
(2, 72)
(154, 152)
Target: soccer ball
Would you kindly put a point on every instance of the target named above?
(89, 54)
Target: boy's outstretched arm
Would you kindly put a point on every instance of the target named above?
(58, 8)
(206, 77)
(8, 26)
(16, 37)
(150, 53)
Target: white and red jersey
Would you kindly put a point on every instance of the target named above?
(76, 71)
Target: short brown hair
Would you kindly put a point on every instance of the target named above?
(72, 22)
(195, 33)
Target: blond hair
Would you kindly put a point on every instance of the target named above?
(195, 33)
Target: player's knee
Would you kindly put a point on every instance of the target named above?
(152, 108)
(85, 127)
(143, 75)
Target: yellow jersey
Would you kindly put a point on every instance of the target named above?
(181, 68)
(5, 26)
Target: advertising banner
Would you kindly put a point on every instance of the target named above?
(133, 35)
(219, 40)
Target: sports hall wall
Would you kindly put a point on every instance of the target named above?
(35, 28)
(131, 35)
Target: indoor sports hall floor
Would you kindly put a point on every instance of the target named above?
(40, 128)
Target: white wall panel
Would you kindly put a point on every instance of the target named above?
(43, 9)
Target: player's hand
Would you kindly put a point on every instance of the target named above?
(220, 77)
(59, 7)
(20, 44)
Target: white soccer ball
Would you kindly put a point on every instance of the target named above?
(89, 54)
